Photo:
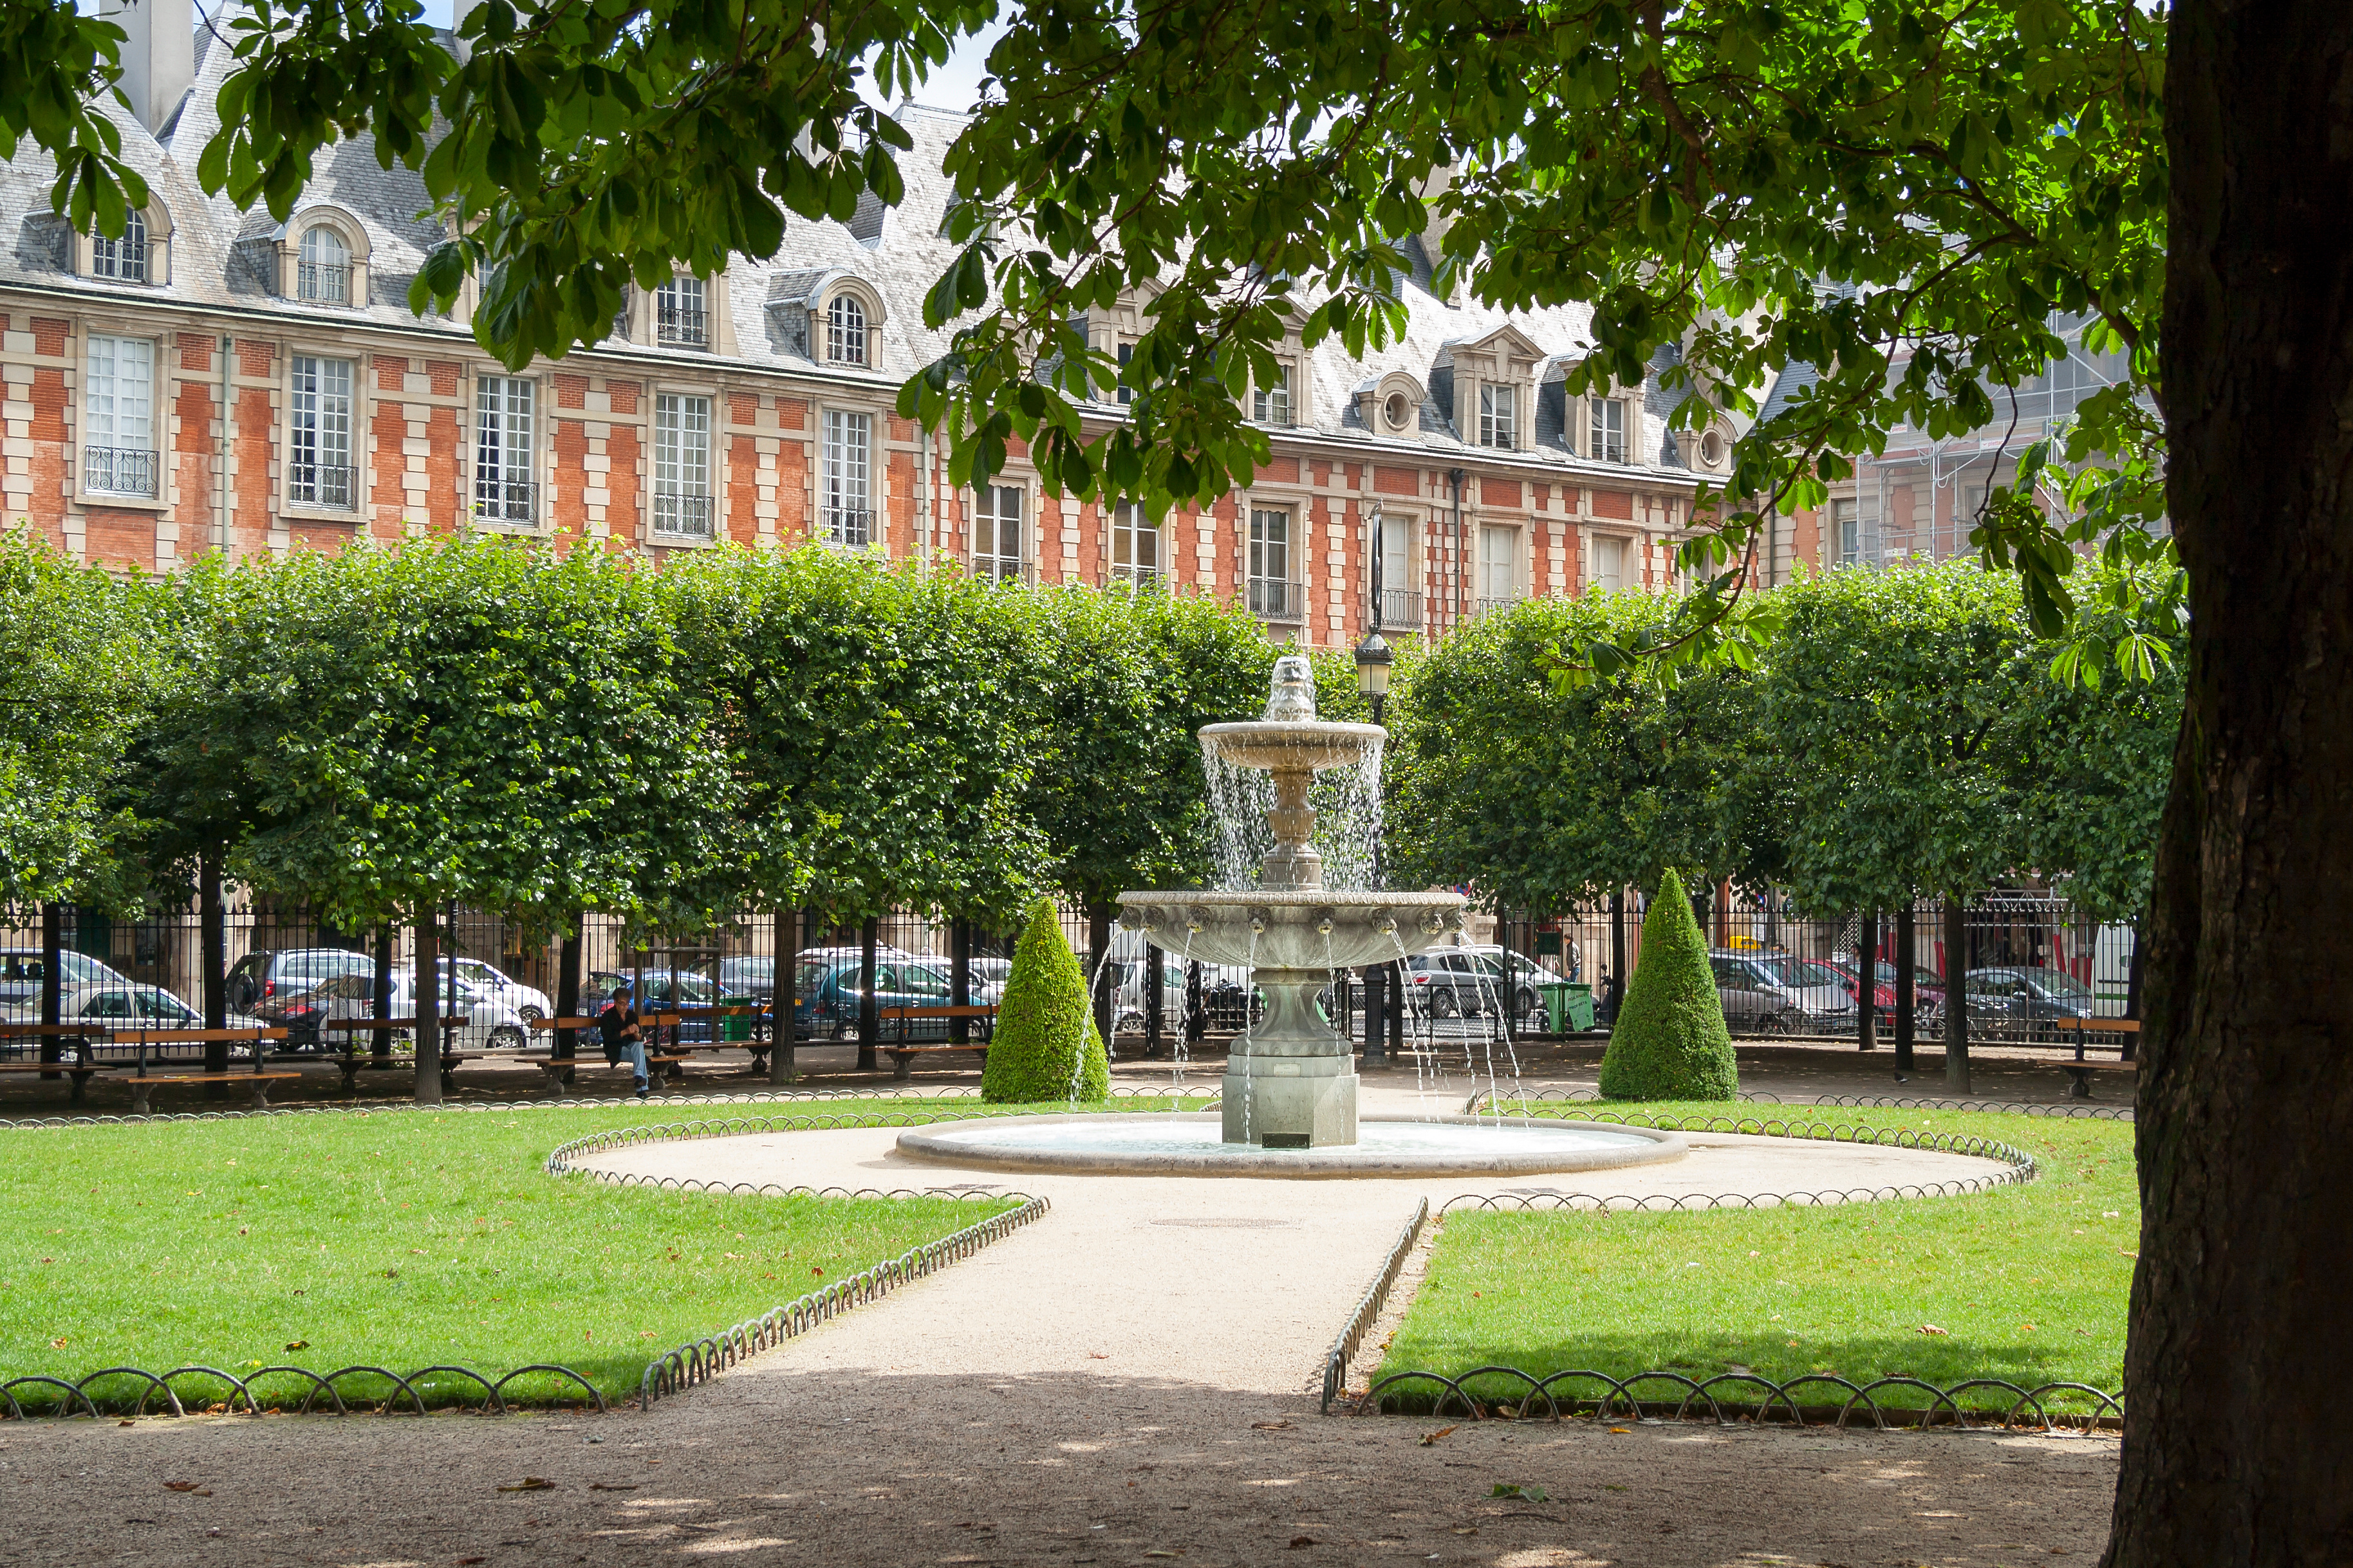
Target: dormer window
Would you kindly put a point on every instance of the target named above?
(1273, 405)
(322, 273)
(1126, 355)
(681, 319)
(845, 331)
(1608, 430)
(124, 259)
(1499, 417)
(1396, 412)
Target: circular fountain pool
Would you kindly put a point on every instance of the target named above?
(1192, 1145)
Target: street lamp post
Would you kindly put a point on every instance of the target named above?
(1373, 660)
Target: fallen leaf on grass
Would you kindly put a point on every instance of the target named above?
(298, 1344)
(58, 1344)
(531, 1483)
(1930, 1329)
(1430, 1439)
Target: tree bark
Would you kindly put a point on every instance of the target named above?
(1098, 959)
(870, 1016)
(783, 1026)
(1906, 997)
(2235, 1448)
(425, 993)
(1957, 993)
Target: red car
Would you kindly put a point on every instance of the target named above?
(1928, 988)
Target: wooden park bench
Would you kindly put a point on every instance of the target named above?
(902, 1053)
(80, 1069)
(559, 1071)
(351, 1064)
(2127, 1033)
(142, 1082)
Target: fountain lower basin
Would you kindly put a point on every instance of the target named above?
(1193, 1144)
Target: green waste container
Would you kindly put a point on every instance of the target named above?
(734, 1028)
(1568, 1006)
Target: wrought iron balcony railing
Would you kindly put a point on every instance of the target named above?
(117, 471)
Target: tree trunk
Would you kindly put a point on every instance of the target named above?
(869, 1013)
(1956, 992)
(784, 1005)
(2235, 1448)
(425, 993)
(1097, 960)
(1906, 997)
(53, 965)
(568, 959)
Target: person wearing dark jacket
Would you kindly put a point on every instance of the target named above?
(623, 1036)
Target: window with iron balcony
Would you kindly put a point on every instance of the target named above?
(681, 319)
(682, 502)
(322, 270)
(123, 260)
(845, 332)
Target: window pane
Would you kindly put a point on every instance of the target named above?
(997, 531)
(503, 486)
(842, 493)
(679, 313)
(319, 465)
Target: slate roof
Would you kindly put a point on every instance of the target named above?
(216, 251)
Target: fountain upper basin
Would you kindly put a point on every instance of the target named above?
(1285, 744)
(1304, 928)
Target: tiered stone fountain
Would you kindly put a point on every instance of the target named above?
(1289, 1101)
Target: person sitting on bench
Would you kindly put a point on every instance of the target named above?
(624, 1039)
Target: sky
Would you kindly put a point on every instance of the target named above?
(954, 85)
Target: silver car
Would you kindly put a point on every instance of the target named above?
(1776, 992)
(126, 1005)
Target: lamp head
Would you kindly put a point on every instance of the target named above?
(1373, 660)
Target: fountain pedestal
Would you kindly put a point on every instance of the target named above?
(1291, 1082)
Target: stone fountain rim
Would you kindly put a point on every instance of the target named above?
(940, 1145)
(1307, 729)
(1298, 898)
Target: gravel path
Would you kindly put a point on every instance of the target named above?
(1124, 1382)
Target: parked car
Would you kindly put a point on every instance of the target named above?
(1776, 992)
(489, 980)
(21, 971)
(1455, 983)
(491, 1023)
(827, 994)
(659, 989)
(2027, 1003)
(126, 1004)
(1527, 974)
(266, 972)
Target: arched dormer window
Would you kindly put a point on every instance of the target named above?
(125, 259)
(322, 272)
(845, 332)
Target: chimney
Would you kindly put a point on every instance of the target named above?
(158, 58)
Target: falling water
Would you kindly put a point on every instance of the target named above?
(1347, 804)
(1418, 1042)
(1103, 971)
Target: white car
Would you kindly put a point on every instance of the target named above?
(491, 1023)
(126, 1004)
(488, 981)
(1527, 974)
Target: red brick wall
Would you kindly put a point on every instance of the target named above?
(1618, 504)
(193, 474)
(624, 516)
(1397, 481)
(46, 508)
(120, 538)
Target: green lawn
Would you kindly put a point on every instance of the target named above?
(401, 1239)
(2026, 1283)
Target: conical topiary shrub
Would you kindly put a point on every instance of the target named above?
(1043, 1024)
(1668, 1041)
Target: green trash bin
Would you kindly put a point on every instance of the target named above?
(1569, 1006)
(734, 1028)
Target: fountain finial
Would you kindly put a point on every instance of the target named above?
(1291, 695)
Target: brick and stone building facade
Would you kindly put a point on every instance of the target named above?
(218, 380)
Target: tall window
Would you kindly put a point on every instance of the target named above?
(680, 318)
(996, 533)
(1845, 528)
(1499, 408)
(125, 259)
(319, 446)
(1609, 563)
(1135, 545)
(1271, 405)
(1499, 566)
(682, 465)
(1400, 594)
(842, 496)
(845, 331)
(323, 271)
(1272, 592)
(504, 487)
(1608, 430)
(1126, 354)
(119, 417)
